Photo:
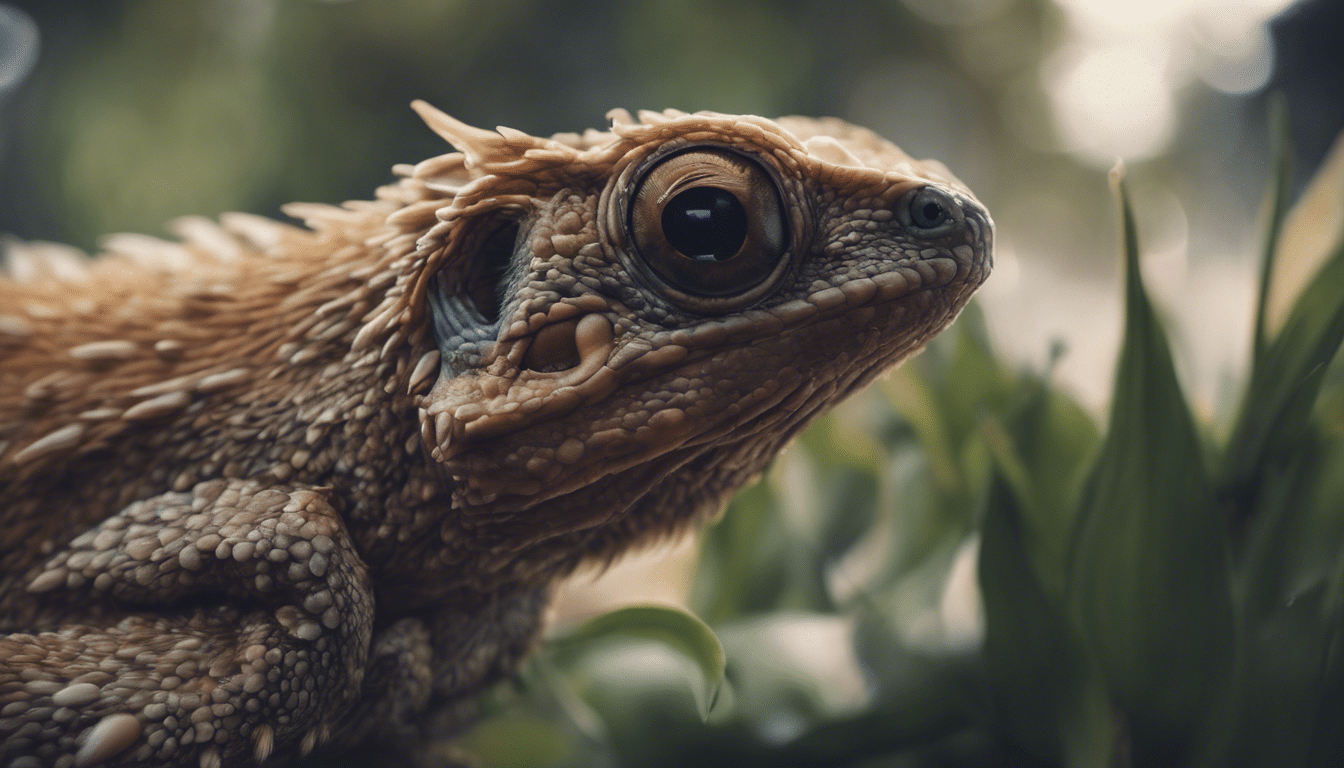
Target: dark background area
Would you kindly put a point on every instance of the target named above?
(141, 110)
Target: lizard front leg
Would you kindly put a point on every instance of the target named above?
(244, 630)
(425, 673)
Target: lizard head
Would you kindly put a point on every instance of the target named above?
(631, 323)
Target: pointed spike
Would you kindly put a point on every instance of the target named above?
(476, 143)
(426, 429)
(511, 133)
(263, 742)
(308, 743)
(444, 424)
(428, 363)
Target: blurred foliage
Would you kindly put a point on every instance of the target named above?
(961, 567)
(1148, 595)
(143, 110)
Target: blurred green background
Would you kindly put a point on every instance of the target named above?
(844, 589)
(141, 110)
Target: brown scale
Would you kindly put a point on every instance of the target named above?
(272, 489)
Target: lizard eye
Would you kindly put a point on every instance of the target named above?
(929, 212)
(708, 223)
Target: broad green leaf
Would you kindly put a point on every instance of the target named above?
(1275, 430)
(674, 628)
(943, 397)
(914, 395)
(1150, 586)
(1038, 676)
(1291, 703)
(847, 459)
(973, 382)
(1317, 508)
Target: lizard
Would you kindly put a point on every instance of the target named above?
(272, 488)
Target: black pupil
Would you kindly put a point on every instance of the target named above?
(705, 223)
(931, 215)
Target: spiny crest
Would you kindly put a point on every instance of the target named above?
(34, 261)
(507, 162)
(489, 151)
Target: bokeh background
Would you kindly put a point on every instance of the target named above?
(117, 115)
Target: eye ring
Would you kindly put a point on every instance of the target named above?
(929, 212)
(707, 226)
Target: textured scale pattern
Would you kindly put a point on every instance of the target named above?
(271, 489)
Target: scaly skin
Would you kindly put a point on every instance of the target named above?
(271, 489)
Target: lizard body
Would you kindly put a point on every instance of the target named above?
(271, 488)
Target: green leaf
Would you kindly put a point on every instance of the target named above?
(1282, 688)
(742, 558)
(944, 395)
(672, 627)
(1308, 233)
(936, 486)
(918, 718)
(1277, 205)
(1288, 371)
(1284, 389)
(1042, 453)
(518, 739)
(1150, 585)
(1327, 694)
(1041, 688)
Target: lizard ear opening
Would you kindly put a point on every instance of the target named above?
(465, 303)
(484, 286)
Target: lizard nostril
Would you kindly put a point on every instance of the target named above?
(553, 348)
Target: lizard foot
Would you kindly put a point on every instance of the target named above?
(242, 629)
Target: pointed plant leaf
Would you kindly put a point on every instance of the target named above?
(1037, 674)
(672, 627)
(1042, 451)
(1276, 208)
(1308, 234)
(944, 395)
(1277, 556)
(1284, 387)
(914, 395)
(1150, 588)
(1288, 371)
